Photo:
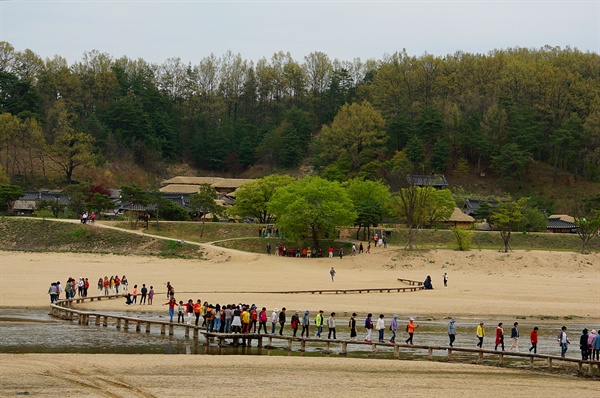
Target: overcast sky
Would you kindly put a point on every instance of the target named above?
(192, 30)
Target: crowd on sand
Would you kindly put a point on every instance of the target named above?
(248, 318)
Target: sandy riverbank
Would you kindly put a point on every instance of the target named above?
(482, 284)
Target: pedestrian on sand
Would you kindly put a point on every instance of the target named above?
(332, 273)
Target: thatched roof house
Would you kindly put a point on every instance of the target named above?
(459, 219)
(192, 184)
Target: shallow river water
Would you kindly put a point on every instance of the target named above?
(35, 331)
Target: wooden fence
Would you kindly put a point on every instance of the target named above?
(64, 309)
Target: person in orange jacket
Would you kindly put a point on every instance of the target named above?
(410, 328)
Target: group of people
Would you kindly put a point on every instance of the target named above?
(72, 288)
(111, 285)
(589, 343)
(284, 251)
(86, 217)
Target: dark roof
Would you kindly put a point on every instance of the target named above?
(557, 223)
(36, 196)
(472, 205)
(425, 181)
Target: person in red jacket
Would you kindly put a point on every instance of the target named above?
(533, 337)
(499, 336)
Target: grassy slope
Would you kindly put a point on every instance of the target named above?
(40, 235)
(243, 237)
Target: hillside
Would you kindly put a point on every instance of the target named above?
(41, 236)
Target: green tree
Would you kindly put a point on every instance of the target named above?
(415, 152)
(311, 207)
(439, 156)
(512, 163)
(357, 132)
(252, 199)
(462, 238)
(69, 148)
(100, 202)
(371, 201)
(8, 195)
(138, 200)
(411, 204)
(439, 206)
(507, 217)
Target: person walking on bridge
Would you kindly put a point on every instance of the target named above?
(410, 328)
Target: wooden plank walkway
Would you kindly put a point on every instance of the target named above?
(64, 309)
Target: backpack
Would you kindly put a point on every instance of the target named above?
(406, 328)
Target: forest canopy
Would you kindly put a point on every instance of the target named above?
(495, 112)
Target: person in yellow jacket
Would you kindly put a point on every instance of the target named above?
(480, 335)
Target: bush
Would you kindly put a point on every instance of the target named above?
(462, 238)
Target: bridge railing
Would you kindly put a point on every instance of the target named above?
(64, 309)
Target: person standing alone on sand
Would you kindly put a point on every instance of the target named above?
(445, 279)
(452, 331)
(332, 273)
(480, 335)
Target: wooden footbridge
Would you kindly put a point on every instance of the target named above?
(64, 309)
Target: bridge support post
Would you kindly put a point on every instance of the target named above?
(289, 345)
(119, 324)
(550, 364)
(303, 345)
(171, 330)
(97, 320)
(138, 326)
(187, 331)
(344, 348)
(195, 333)
(105, 321)
(396, 351)
(430, 353)
(163, 327)
(148, 327)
